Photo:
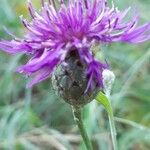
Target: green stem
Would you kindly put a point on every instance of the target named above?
(113, 132)
(78, 119)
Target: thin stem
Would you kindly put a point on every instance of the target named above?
(112, 125)
(113, 132)
(78, 119)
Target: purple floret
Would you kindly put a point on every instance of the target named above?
(79, 24)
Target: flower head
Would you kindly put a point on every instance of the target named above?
(55, 31)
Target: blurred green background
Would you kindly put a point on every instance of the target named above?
(37, 119)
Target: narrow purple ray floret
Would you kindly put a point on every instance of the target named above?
(79, 24)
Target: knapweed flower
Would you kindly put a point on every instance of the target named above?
(61, 35)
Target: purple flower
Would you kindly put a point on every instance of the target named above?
(56, 30)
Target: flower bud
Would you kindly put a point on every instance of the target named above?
(108, 80)
(70, 81)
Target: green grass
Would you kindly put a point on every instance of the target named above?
(37, 119)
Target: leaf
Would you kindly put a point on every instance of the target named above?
(101, 97)
(105, 102)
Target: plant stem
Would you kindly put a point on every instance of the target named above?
(78, 119)
(113, 132)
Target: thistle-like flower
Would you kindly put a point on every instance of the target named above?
(60, 38)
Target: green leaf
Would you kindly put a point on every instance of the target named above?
(101, 97)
